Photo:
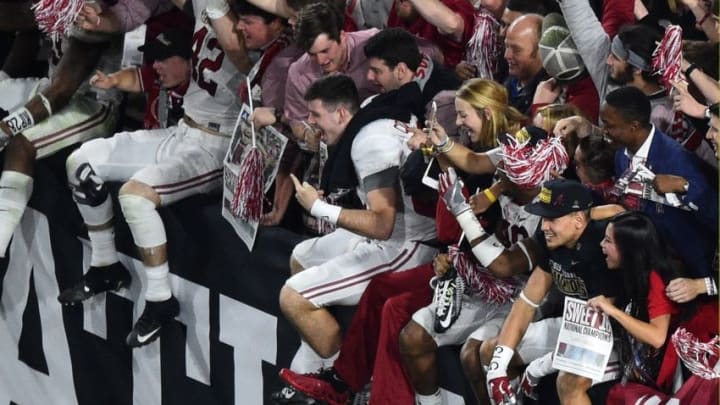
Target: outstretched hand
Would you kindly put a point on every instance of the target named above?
(684, 101)
(305, 193)
(450, 188)
(102, 81)
(577, 124)
(89, 18)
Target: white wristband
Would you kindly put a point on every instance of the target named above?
(499, 362)
(217, 9)
(710, 286)
(19, 120)
(470, 225)
(488, 250)
(328, 212)
(527, 300)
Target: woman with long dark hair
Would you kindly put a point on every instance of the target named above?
(632, 245)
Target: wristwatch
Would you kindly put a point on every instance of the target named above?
(707, 113)
(278, 115)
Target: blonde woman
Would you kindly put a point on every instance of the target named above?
(483, 114)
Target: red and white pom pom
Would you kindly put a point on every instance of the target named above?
(700, 358)
(483, 49)
(668, 56)
(248, 195)
(56, 16)
(479, 281)
(530, 166)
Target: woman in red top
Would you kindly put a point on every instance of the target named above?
(632, 245)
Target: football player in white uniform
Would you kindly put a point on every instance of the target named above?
(44, 115)
(369, 149)
(159, 167)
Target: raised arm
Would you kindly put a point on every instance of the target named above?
(223, 21)
(591, 40)
(458, 155)
(709, 88)
(127, 79)
(277, 7)
(447, 21)
(488, 250)
(704, 18)
(376, 222)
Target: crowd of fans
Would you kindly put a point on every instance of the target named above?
(458, 167)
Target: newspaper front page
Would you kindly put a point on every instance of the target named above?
(585, 340)
(272, 144)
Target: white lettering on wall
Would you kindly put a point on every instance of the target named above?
(30, 252)
(194, 313)
(252, 334)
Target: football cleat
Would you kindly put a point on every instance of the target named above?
(447, 299)
(154, 316)
(95, 281)
(317, 386)
(289, 395)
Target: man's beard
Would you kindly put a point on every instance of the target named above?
(624, 78)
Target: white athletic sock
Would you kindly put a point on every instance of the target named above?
(432, 399)
(329, 361)
(102, 243)
(541, 367)
(15, 191)
(158, 288)
(306, 360)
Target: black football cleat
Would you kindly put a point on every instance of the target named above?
(96, 280)
(154, 316)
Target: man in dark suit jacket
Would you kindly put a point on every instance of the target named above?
(654, 174)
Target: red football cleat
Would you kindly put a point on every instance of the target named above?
(316, 386)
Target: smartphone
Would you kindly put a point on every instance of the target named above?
(432, 117)
(428, 178)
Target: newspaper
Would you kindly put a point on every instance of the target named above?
(272, 144)
(585, 340)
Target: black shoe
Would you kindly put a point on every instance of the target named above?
(154, 316)
(289, 395)
(447, 299)
(95, 281)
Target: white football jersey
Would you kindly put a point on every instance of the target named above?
(381, 145)
(211, 99)
(519, 223)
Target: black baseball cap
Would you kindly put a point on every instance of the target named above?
(172, 42)
(560, 197)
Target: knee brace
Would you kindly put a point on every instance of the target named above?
(87, 187)
(144, 221)
(15, 191)
(89, 191)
